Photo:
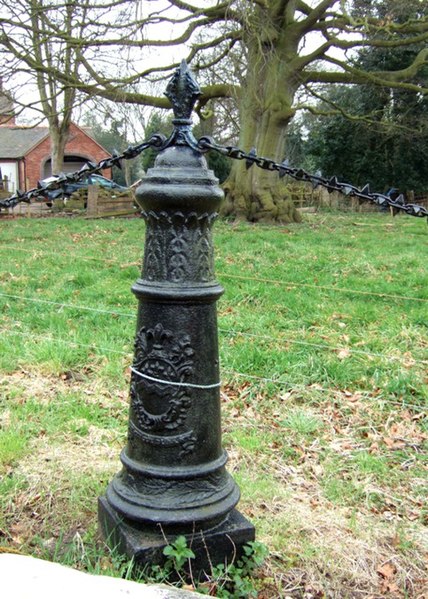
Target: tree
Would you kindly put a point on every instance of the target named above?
(385, 143)
(288, 45)
(158, 123)
(39, 39)
(115, 127)
(24, 45)
(380, 135)
(110, 135)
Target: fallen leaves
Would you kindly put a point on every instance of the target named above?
(394, 443)
(343, 353)
(352, 397)
(405, 434)
(387, 572)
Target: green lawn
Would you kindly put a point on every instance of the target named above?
(324, 353)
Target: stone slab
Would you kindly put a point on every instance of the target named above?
(25, 577)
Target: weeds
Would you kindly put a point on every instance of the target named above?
(228, 581)
(177, 554)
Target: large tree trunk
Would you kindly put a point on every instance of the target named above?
(266, 108)
(255, 194)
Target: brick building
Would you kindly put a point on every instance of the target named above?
(25, 151)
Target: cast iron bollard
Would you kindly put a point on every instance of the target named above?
(174, 480)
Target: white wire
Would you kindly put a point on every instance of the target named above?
(174, 383)
(323, 346)
(66, 305)
(255, 279)
(227, 331)
(263, 379)
(232, 372)
(65, 341)
(325, 287)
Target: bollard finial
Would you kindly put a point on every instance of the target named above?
(183, 91)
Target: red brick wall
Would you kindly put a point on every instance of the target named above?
(79, 144)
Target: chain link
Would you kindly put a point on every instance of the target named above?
(316, 180)
(89, 168)
(158, 142)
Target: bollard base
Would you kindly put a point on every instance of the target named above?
(145, 543)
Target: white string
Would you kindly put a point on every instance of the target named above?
(227, 331)
(294, 284)
(65, 305)
(174, 383)
(322, 346)
(65, 341)
(324, 287)
(244, 375)
(299, 387)
(38, 252)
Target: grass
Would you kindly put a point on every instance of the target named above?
(324, 351)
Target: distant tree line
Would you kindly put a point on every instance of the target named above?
(370, 134)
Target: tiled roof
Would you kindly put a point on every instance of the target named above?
(15, 142)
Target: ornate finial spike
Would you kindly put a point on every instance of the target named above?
(183, 91)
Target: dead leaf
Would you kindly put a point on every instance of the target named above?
(318, 470)
(129, 264)
(343, 353)
(18, 533)
(393, 588)
(387, 571)
(413, 516)
(106, 563)
(374, 447)
(394, 429)
(394, 443)
(353, 398)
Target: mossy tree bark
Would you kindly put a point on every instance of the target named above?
(266, 108)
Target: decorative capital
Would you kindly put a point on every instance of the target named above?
(183, 91)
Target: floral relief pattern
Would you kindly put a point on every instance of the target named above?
(161, 356)
(179, 247)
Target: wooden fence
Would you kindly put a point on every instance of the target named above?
(101, 203)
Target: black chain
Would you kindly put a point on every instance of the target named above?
(284, 168)
(89, 168)
(159, 142)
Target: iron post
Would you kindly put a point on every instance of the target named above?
(173, 481)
